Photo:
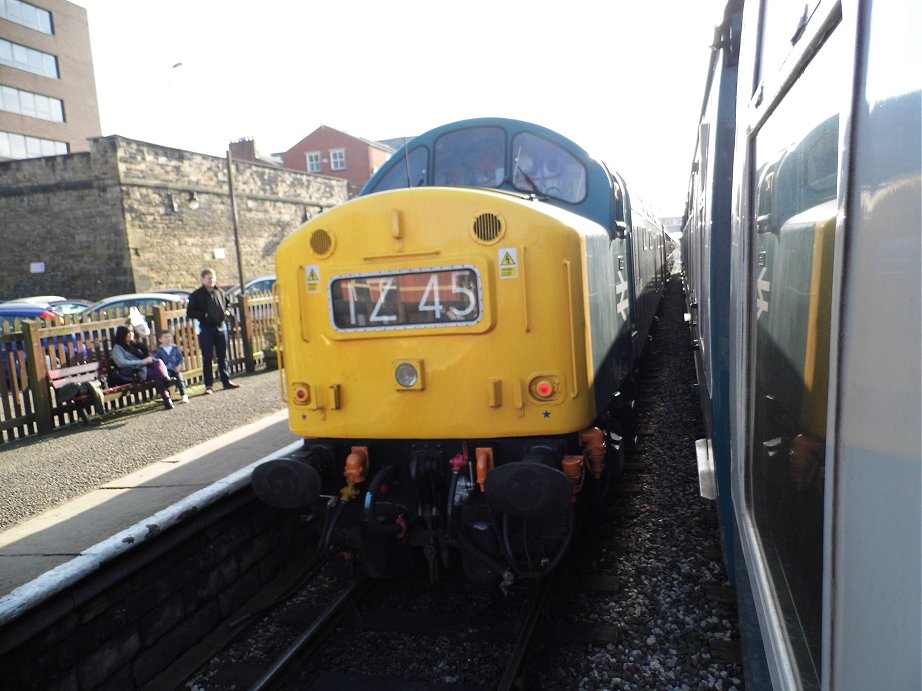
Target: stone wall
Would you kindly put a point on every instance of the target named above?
(124, 624)
(63, 213)
(118, 219)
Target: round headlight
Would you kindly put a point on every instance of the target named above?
(407, 375)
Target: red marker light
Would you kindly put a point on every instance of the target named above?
(302, 393)
(545, 387)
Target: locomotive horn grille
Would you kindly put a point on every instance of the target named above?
(488, 228)
(321, 242)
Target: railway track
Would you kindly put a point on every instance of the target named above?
(461, 636)
(641, 601)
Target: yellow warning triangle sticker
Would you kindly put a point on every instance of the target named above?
(507, 260)
(312, 276)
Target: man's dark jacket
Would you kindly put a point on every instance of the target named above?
(210, 308)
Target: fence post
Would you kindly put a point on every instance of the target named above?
(37, 376)
(160, 324)
(246, 329)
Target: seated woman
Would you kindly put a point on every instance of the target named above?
(135, 364)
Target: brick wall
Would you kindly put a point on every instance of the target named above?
(362, 158)
(117, 220)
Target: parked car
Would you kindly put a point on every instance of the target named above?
(12, 313)
(55, 303)
(110, 306)
(260, 284)
(73, 306)
(34, 300)
(181, 292)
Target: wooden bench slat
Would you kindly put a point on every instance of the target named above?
(87, 372)
(64, 372)
(58, 382)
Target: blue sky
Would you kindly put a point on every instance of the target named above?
(623, 79)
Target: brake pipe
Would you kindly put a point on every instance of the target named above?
(593, 439)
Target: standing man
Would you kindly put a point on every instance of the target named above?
(209, 306)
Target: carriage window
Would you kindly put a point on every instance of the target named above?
(793, 222)
(408, 171)
(544, 168)
(782, 24)
(473, 157)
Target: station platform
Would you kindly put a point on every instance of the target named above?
(34, 550)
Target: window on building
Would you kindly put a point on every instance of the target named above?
(313, 162)
(34, 105)
(20, 146)
(338, 159)
(27, 15)
(28, 59)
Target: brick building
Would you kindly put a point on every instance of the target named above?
(120, 218)
(48, 102)
(327, 151)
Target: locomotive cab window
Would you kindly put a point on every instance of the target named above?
(472, 157)
(544, 168)
(409, 171)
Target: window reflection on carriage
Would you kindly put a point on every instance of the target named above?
(796, 153)
(406, 300)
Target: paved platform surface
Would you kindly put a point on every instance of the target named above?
(37, 544)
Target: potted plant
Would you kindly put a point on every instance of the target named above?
(270, 351)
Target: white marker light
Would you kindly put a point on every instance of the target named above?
(406, 375)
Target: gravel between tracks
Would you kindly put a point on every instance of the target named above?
(37, 474)
(665, 553)
(661, 626)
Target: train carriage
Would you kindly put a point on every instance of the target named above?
(802, 245)
(457, 342)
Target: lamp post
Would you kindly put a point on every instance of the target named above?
(233, 205)
(244, 310)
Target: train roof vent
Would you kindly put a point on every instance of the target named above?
(321, 242)
(488, 228)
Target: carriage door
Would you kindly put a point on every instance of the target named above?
(793, 217)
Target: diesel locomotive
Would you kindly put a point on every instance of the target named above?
(801, 253)
(458, 344)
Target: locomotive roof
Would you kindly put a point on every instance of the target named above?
(445, 155)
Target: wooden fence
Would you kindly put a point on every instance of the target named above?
(27, 402)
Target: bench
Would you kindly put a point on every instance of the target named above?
(96, 376)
